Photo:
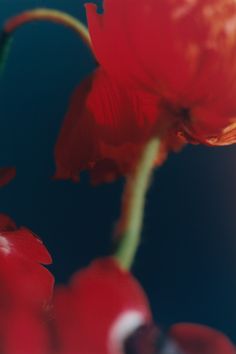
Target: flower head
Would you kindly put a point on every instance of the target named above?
(105, 311)
(183, 51)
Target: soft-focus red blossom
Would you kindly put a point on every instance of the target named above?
(25, 290)
(104, 307)
(99, 309)
(106, 127)
(181, 50)
(103, 311)
(6, 175)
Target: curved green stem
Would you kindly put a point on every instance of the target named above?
(131, 219)
(40, 14)
(51, 15)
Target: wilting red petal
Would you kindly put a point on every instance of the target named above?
(102, 306)
(183, 51)
(198, 339)
(6, 175)
(105, 129)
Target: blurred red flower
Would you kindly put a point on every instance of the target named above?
(181, 50)
(25, 290)
(105, 311)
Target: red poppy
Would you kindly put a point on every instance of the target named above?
(184, 51)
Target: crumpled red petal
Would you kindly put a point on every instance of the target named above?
(199, 339)
(105, 129)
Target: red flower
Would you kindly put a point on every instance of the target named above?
(182, 50)
(99, 309)
(102, 311)
(105, 129)
(25, 290)
(105, 311)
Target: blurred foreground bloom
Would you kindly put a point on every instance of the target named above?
(105, 311)
(25, 290)
(102, 311)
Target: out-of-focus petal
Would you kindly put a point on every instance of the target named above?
(26, 332)
(25, 291)
(6, 175)
(199, 339)
(22, 254)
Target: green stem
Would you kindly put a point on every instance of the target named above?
(131, 219)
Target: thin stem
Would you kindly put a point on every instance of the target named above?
(51, 15)
(131, 219)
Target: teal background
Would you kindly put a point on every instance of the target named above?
(187, 259)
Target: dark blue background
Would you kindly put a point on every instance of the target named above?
(187, 259)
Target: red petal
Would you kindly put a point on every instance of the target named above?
(105, 129)
(25, 332)
(27, 245)
(22, 277)
(195, 339)
(6, 175)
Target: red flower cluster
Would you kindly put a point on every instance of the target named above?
(102, 311)
(167, 69)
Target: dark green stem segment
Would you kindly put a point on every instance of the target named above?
(5, 46)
